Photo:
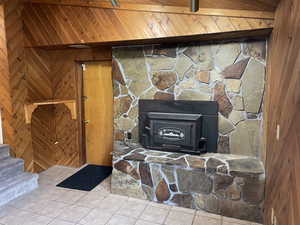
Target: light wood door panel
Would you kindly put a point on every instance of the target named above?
(98, 105)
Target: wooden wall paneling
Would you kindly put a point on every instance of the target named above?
(22, 146)
(39, 81)
(244, 8)
(52, 74)
(5, 90)
(283, 155)
(43, 138)
(74, 25)
(63, 70)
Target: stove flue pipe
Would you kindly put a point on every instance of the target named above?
(194, 5)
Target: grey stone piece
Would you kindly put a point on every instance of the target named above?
(221, 182)
(256, 49)
(149, 94)
(202, 56)
(212, 164)
(123, 184)
(236, 116)
(246, 167)
(134, 67)
(253, 83)
(155, 153)
(193, 181)
(157, 159)
(158, 63)
(145, 174)
(126, 167)
(193, 95)
(156, 174)
(245, 140)
(241, 210)
(238, 103)
(209, 203)
(253, 189)
(225, 125)
(182, 66)
(183, 200)
(124, 123)
(148, 192)
(135, 156)
(223, 145)
(195, 161)
(227, 54)
(169, 173)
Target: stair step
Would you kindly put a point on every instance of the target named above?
(4, 151)
(17, 186)
(11, 167)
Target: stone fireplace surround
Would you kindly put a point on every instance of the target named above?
(233, 74)
(225, 184)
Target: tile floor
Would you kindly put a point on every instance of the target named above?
(50, 205)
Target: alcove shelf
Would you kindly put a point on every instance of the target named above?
(30, 107)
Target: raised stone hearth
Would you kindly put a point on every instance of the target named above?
(225, 184)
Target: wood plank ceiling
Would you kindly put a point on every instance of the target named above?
(50, 25)
(255, 5)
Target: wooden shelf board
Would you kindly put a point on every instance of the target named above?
(31, 107)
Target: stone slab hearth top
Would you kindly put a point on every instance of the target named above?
(234, 165)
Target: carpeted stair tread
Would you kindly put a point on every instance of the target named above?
(4, 151)
(21, 184)
(15, 180)
(11, 166)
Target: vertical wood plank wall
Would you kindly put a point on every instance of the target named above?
(283, 155)
(21, 147)
(5, 96)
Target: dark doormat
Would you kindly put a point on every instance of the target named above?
(87, 178)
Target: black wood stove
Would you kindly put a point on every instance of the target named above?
(179, 126)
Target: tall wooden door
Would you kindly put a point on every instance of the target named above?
(98, 106)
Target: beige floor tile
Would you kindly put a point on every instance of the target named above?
(160, 205)
(143, 222)
(22, 217)
(60, 222)
(112, 203)
(206, 214)
(91, 200)
(51, 208)
(132, 208)
(256, 224)
(69, 196)
(96, 217)
(176, 217)
(73, 213)
(121, 220)
(202, 220)
(155, 214)
(184, 210)
(232, 221)
(7, 210)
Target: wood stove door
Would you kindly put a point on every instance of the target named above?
(98, 112)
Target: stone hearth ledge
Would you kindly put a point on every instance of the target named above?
(224, 184)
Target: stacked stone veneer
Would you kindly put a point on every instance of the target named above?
(233, 74)
(224, 184)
